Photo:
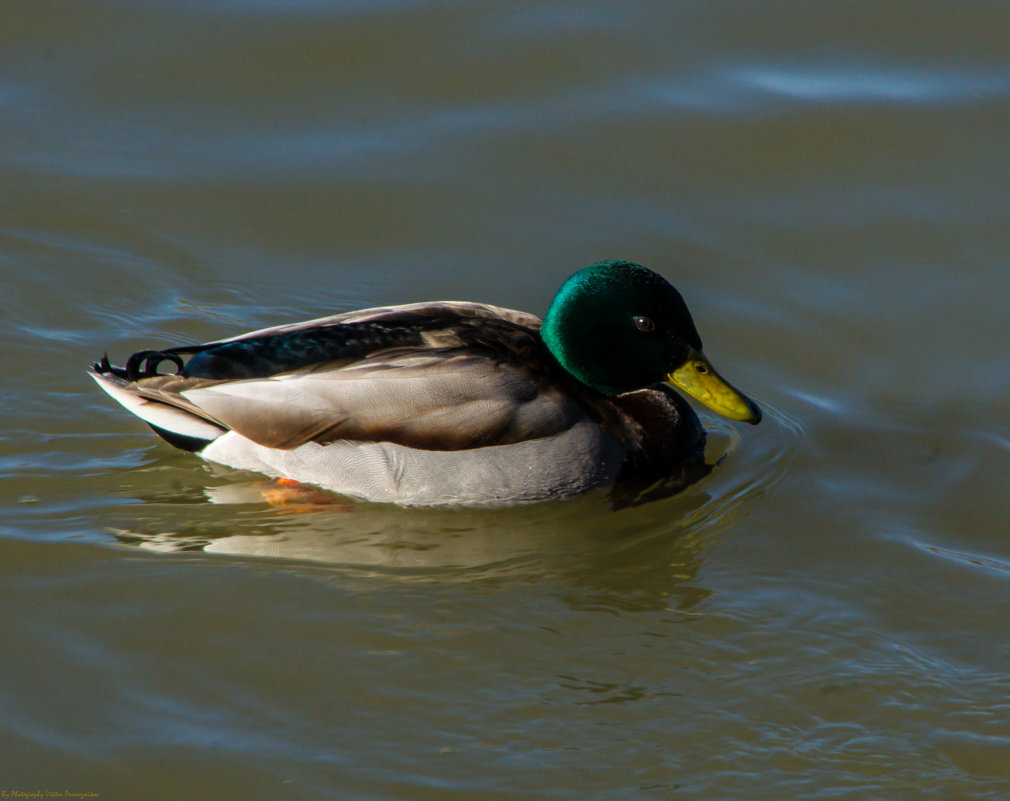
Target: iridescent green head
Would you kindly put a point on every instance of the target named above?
(617, 326)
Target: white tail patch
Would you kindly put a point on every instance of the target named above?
(157, 414)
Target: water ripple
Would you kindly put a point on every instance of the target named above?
(868, 85)
(971, 559)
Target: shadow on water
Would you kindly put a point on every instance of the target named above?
(637, 548)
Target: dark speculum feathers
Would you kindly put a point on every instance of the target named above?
(268, 356)
(260, 357)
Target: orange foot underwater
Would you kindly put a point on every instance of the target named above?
(292, 497)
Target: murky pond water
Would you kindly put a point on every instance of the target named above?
(824, 616)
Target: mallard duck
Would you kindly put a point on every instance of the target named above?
(448, 402)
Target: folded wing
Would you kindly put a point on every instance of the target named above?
(443, 376)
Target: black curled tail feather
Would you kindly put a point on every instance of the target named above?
(144, 363)
(104, 367)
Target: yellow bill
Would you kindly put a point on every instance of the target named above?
(700, 380)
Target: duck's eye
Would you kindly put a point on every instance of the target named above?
(643, 323)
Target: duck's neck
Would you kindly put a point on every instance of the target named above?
(571, 332)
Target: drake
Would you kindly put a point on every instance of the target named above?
(448, 402)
